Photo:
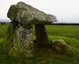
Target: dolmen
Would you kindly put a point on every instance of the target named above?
(19, 36)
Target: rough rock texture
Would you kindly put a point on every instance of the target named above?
(23, 15)
(26, 14)
(19, 42)
(52, 18)
(61, 46)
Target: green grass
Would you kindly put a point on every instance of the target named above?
(3, 29)
(69, 33)
(63, 30)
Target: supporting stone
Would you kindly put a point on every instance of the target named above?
(41, 36)
(19, 43)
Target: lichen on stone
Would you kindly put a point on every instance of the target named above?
(60, 46)
(25, 14)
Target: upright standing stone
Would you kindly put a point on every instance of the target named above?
(19, 44)
(41, 36)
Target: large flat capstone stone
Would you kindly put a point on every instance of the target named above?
(26, 14)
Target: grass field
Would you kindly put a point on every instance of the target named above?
(70, 33)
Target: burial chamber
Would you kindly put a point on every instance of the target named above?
(19, 40)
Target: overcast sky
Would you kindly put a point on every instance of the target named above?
(64, 10)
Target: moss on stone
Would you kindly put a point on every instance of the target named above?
(26, 14)
(60, 46)
(18, 42)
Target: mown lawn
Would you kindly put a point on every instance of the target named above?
(67, 32)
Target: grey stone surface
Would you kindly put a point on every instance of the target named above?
(26, 14)
(60, 46)
(19, 43)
